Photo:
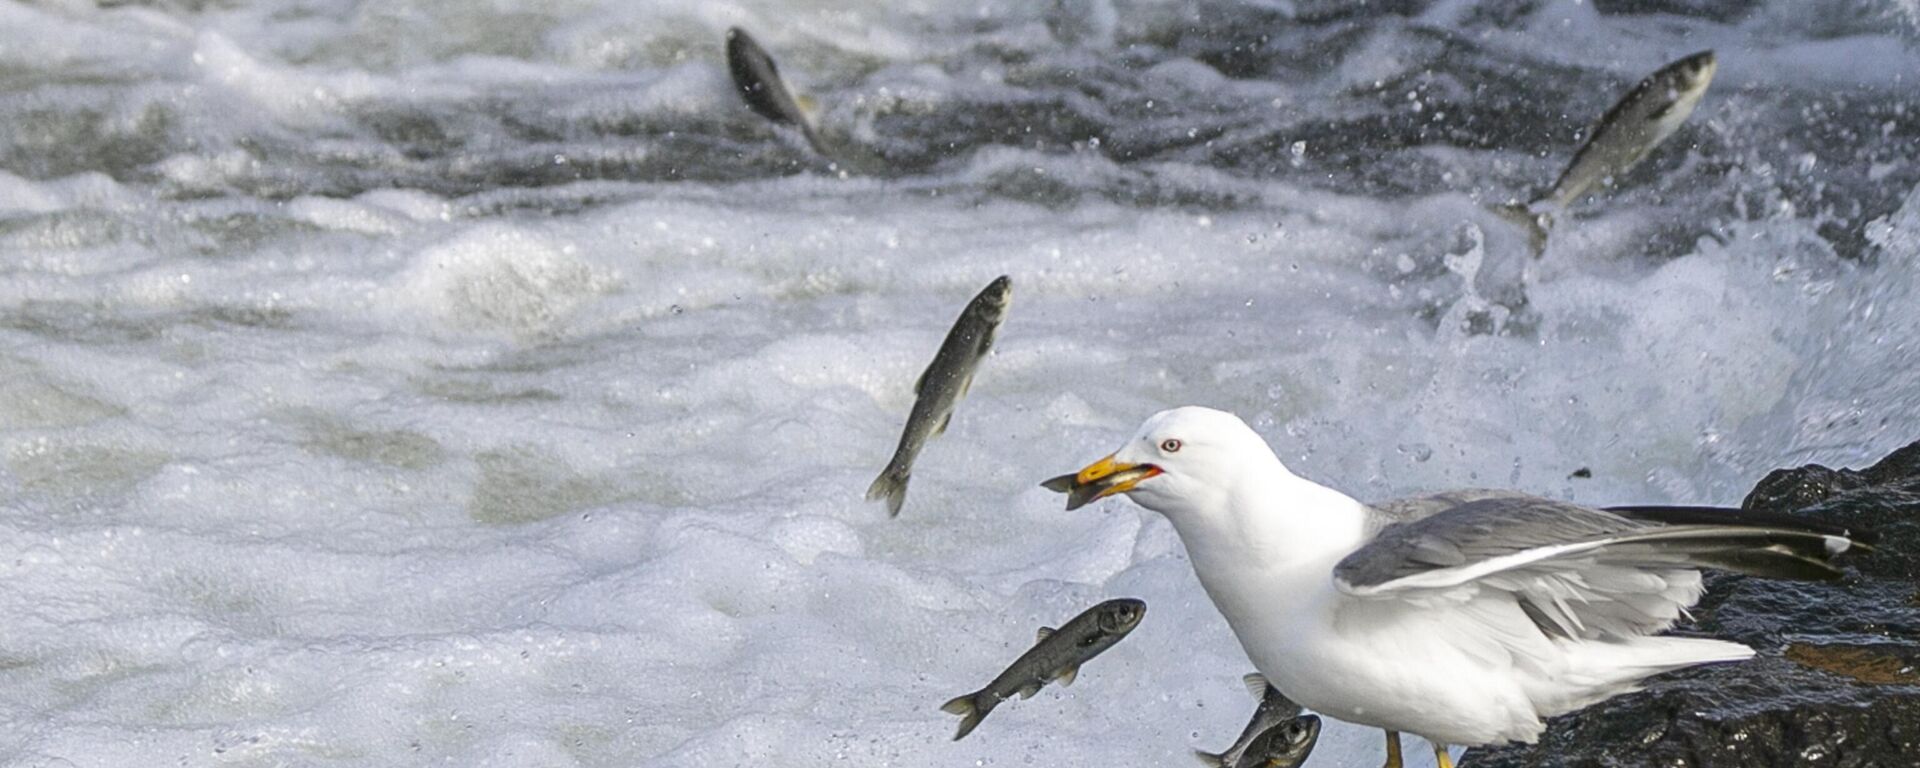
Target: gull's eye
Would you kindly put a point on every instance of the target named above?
(1170, 445)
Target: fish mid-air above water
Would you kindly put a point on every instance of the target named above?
(1648, 115)
(942, 385)
(1275, 709)
(1057, 655)
(766, 93)
(1286, 745)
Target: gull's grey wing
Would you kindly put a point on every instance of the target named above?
(1411, 508)
(1459, 529)
(1688, 515)
(1579, 572)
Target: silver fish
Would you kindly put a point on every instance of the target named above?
(766, 93)
(1056, 655)
(942, 385)
(1648, 115)
(1286, 745)
(1098, 484)
(1274, 709)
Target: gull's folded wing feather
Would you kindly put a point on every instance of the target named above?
(1672, 515)
(1576, 571)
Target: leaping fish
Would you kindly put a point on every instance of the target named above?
(1648, 115)
(1274, 710)
(766, 93)
(1057, 655)
(942, 385)
(1286, 745)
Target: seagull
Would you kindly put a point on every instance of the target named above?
(1465, 617)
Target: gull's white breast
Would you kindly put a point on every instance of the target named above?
(1447, 674)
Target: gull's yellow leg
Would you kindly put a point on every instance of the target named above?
(1440, 757)
(1393, 750)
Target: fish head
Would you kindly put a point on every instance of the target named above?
(1118, 617)
(747, 59)
(758, 79)
(1676, 88)
(993, 301)
(1181, 462)
(1673, 93)
(1695, 72)
(1286, 745)
(1299, 735)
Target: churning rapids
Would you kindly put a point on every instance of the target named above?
(445, 383)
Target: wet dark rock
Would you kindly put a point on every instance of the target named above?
(1718, 10)
(1837, 680)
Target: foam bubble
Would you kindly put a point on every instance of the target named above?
(503, 279)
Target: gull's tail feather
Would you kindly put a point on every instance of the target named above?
(892, 486)
(1603, 669)
(1665, 654)
(972, 708)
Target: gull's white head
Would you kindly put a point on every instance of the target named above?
(1181, 462)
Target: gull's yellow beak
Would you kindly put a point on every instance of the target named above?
(1099, 480)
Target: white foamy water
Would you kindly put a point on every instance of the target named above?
(437, 383)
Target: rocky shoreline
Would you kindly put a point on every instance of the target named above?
(1837, 681)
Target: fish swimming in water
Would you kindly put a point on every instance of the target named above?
(1057, 655)
(1648, 115)
(1275, 708)
(942, 385)
(766, 93)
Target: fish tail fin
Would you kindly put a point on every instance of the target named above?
(972, 708)
(810, 131)
(892, 486)
(1536, 218)
(1210, 760)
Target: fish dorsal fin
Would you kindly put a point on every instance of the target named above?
(920, 384)
(1256, 684)
(1067, 675)
(1043, 634)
